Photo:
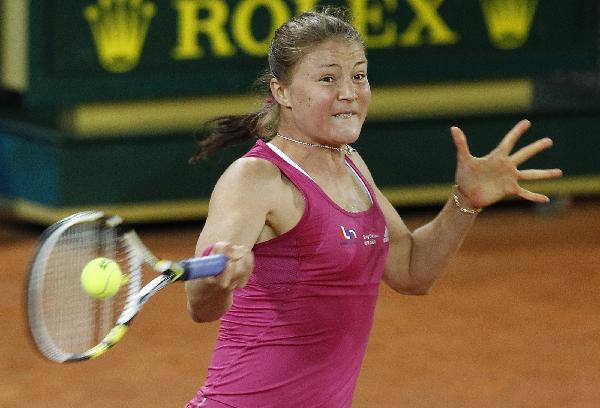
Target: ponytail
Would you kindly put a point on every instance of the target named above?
(230, 130)
(226, 131)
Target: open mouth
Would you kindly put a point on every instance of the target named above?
(345, 115)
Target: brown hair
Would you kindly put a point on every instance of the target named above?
(291, 42)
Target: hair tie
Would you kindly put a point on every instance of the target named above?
(269, 100)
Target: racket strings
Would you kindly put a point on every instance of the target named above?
(74, 321)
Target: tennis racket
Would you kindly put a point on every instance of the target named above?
(66, 323)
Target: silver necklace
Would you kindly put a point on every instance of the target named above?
(346, 149)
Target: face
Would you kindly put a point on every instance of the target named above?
(328, 96)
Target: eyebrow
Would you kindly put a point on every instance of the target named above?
(338, 65)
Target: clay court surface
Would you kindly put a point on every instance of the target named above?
(515, 322)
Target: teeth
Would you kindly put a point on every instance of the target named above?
(344, 115)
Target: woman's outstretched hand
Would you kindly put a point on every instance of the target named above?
(488, 179)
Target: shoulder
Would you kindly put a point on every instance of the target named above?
(250, 170)
(247, 180)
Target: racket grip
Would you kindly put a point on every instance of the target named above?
(202, 266)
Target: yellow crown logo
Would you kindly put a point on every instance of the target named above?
(119, 28)
(508, 21)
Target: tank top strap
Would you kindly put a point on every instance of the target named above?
(297, 177)
(363, 179)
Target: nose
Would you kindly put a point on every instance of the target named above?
(347, 91)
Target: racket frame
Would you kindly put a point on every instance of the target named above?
(169, 272)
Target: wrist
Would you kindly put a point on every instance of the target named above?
(462, 202)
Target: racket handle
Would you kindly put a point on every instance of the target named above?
(203, 266)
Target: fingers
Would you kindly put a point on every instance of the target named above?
(238, 267)
(535, 174)
(234, 252)
(460, 141)
(231, 251)
(531, 150)
(531, 196)
(511, 138)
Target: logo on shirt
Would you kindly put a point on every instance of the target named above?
(347, 234)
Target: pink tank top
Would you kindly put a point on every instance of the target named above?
(297, 333)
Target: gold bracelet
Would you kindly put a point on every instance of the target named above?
(460, 207)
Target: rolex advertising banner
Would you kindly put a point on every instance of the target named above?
(58, 52)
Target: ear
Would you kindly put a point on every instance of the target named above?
(280, 93)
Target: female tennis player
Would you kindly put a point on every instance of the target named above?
(309, 235)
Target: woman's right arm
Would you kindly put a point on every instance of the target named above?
(239, 204)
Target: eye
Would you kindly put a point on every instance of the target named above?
(327, 78)
(360, 77)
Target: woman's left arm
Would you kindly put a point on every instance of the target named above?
(416, 259)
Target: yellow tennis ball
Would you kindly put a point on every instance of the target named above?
(101, 278)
